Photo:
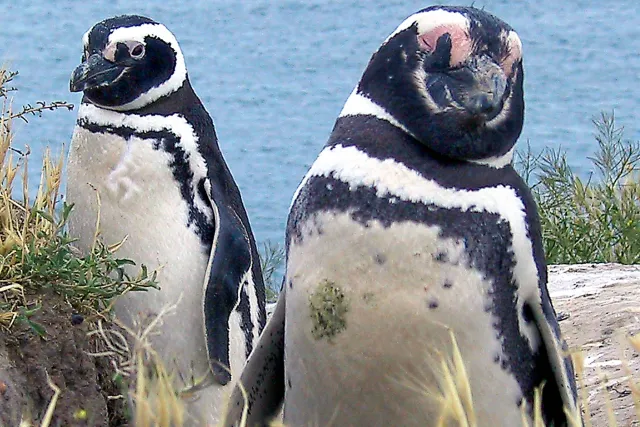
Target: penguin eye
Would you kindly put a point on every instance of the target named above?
(137, 51)
(453, 37)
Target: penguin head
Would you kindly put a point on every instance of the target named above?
(128, 62)
(453, 77)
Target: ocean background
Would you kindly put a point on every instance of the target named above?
(275, 74)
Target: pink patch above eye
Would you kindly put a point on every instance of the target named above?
(460, 42)
(514, 49)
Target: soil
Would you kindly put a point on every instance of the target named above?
(30, 362)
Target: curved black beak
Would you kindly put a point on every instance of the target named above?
(94, 72)
(486, 96)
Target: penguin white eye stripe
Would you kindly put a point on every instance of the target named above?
(138, 34)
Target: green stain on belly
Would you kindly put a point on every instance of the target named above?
(329, 307)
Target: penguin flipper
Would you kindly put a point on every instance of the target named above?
(229, 261)
(554, 349)
(262, 377)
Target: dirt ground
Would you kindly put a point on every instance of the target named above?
(602, 303)
(31, 365)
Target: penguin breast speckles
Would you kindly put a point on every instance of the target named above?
(385, 312)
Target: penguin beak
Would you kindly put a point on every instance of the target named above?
(94, 72)
(485, 98)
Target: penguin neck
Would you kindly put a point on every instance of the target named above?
(371, 115)
(181, 101)
(380, 137)
(382, 140)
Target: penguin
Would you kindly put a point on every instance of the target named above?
(412, 245)
(145, 165)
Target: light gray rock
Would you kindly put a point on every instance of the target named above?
(603, 305)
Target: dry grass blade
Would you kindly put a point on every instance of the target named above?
(37, 256)
(48, 416)
(578, 363)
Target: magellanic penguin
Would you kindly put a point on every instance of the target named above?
(146, 145)
(411, 227)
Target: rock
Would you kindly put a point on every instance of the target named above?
(603, 305)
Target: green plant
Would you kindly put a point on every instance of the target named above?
(36, 254)
(592, 220)
(271, 259)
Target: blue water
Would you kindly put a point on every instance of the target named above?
(275, 74)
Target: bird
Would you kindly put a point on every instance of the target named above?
(414, 256)
(145, 164)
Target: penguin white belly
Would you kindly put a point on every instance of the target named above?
(369, 307)
(140, 200)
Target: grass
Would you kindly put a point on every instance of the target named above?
(37, 256)
(593, 219)
(271, 260)
(36, 253)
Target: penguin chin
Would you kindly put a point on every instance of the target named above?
(111, 96)
(474, 124)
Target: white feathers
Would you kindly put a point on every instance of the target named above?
(358, 104)
(119, 180)
(253, 303)
(390, 347)
(85, 39)
(496, 162)
(514, 44)
(175, 124)
(139, 33)
(393, 179)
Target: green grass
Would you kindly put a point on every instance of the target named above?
(271, 260)
(36, 253)
(593, 219)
